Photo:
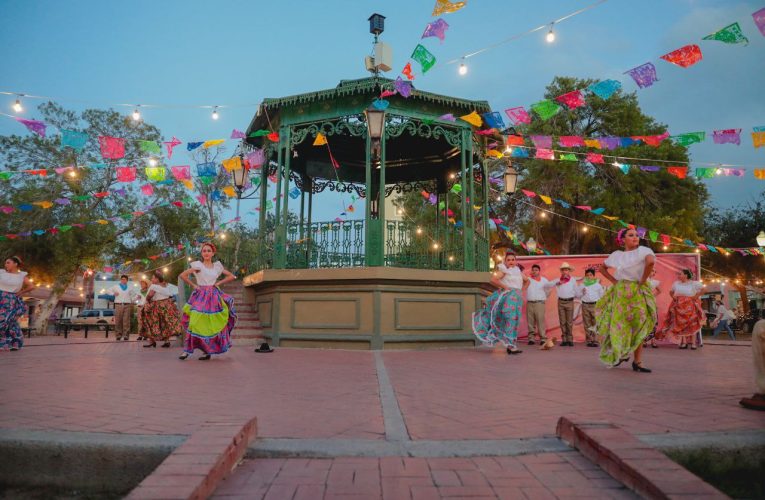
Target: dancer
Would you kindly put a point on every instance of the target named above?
(140, 303)
(757, 401)
(498, 320)
(209, 315)
(124, 298)
(567, 289)
(651, 338)
(685, 315)
(13, 284)
(627, 311)
(723, 319)
(160, 314)
(538, 290)
(590, 291)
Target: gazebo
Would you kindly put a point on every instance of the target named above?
(378, 281)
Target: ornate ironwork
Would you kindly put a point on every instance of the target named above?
(408, 246)
(320, 185)
(347, 125)
(397, 125)
(326, 244)
(404, 187)
(297, 179)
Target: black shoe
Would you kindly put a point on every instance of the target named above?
(531, 342)
(513, 351)
(595, 344)
(14, 348)
(205, 357)
(166, 344)
(153, 344)
(637, 368)
(139, 338)
(184, 356)
(683, 346)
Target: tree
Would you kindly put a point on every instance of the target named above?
(207, 185)
(128, 221)
(658, 201)
(736, 227)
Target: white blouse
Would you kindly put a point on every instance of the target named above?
(629, 266)
(11, 282)
(162, 292)
(207, 276)
(687, 289)
(654, 283)
(512, 277)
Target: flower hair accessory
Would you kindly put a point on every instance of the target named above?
(620, 236)
(208, 244)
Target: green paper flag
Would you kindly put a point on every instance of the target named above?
(569, 157)
(705, 173)
(653, 235)
(259, 133)
(127, 216)
(207, 179)
(456, 189)
(64, 229)
(145, 261)
(624, 224)
(689, 138)
(3, 238)
(729, 34)
(256, 181)
(5, 175)
(149, 147)
(425, 58)
(82, 197)
(546, 109)
(441, 205)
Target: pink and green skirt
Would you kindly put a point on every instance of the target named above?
(208, 319)
(626, 315)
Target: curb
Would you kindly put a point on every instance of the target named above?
(194, 469)
(638, 466)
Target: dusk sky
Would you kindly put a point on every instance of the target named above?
(190, 52)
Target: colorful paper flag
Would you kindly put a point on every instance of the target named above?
(125, 174)
(149, 147)
(273, 137)
(759, 20)
(570, 141)
(215, 142)
(156, 174)
(572, 100)
(494, 120)
(472, 118)
(320, 140)
(644, 75)
(689, 138)
(679, 172)
(542, 141)
(402, 87)
(728, 136)
(705, 173)
(73, 139)
(237, 134)
(569, 157)
(684, 56)
(594, 158)
(407, 71)
(34, 126)
(191, 146)
(605, 88)
(729, 34)
(546, 109)
(147, 189)
(207, 169)
(514, 140)
(181, 172)
(758, 139)
(592, 143)
(229, 191)
(112, 148)
(518, 115)
(545, 154)
(233, 163)
(169, 145)
(446, 7)
(610, 143)
(437, 29)
(424, 57)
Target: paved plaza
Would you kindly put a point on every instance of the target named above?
(395, 424)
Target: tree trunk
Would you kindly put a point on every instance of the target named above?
(40, 319)
(744, 298)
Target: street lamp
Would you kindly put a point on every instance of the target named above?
(761, 239)
(375, 122)
(531, 245)
(511, 179)
(239, 178)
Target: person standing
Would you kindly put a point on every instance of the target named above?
(590, 291)
(13, 284)
(140, 303)
(124, 298)
(723, 318)
(627, 311)
(160, 314)
(500, 316)
(685, 315)
(567, 290)
(757, 401)
(651, 338)
(209, 316)
(536, 294)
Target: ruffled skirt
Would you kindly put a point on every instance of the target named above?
(498, 320)
(11, 309)
(208, 319)
(626, 315)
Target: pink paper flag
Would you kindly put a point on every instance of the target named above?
(583, 207)
(571, 141)
(256, 158)
(202, 199)
(387, 93)
(170, 145)
(545, 154)
(541, 141)
(728, 136)
(684, 56)
(112, 148)
(759, 20)
(518, 115)
(147, 189)
(530, 194)
(181, 172)
(237, 134)
(572, 99)
(35, 126)
(594, 158)
(125, 174)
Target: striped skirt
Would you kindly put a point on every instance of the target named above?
(208, 319)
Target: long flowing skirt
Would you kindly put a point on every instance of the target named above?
(498, 320)
(11, 309)
(208, 319)
(626, 314)
(684, 318)
(161, 320)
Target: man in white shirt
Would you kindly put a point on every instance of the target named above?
(536, 295)
(722, 320)
(567, 289)
(124, 298)
(590, 291)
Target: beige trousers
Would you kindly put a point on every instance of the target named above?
(535, 315)
(123, 313)
(566, 319)
(588, 317)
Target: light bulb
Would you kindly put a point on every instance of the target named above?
(463, 69)
(152, 162)
(665, 247)
(72, 173)
(164, 269)
(215, 113)
(17, 107)
(585, 229)
(223, 236)
(508, 150)
(719, 171)
(543, 215)
(419, 230)
(499, 198)
(550, 35)
(136, 115)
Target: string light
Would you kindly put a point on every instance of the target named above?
(136, 115)
(435, 246)
(73, 173)
(463, 68)
(152, 162)
(585, 229)
(543, 215)
(419, 230)
(17, 107)
(215, 113)
(550, 37)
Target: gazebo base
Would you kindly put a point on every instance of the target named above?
(366, 308)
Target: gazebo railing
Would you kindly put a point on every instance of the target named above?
(326, 244)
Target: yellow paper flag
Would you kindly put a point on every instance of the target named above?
(758, 138)
(759, 173)
(446, 7)
(592, 143)
(43, 204)
(102, 221)
(188, 184)
(229, 191)
(546, 199)
(233, 163)
(320, 140)
(473, 118)
(494, 153)
(610, 217)
(209, 144)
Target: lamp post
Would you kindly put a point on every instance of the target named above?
(375, 128)
(761, 239)
(511, 179)
(239, 178)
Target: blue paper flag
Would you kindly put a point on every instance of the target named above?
(564, 204)
(494, 120)
(73, 139)
(520, 153)
(191, 146)
(597, 211)
(605, 89)
(207, 169)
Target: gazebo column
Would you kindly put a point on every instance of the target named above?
(374, 241)
(280, 240)
(485, 207)
(468, 236)
(309, 247)
(263, 200)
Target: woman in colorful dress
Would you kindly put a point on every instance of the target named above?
(627, 311)
(160, 314)
(13, 284)
(685, 315)
(209, 316)
(498, 320)
(140, 303)
(651, 338)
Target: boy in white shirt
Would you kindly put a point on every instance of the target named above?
(567, 289)
(590, 291)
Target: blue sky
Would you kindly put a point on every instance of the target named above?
(238, 52)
